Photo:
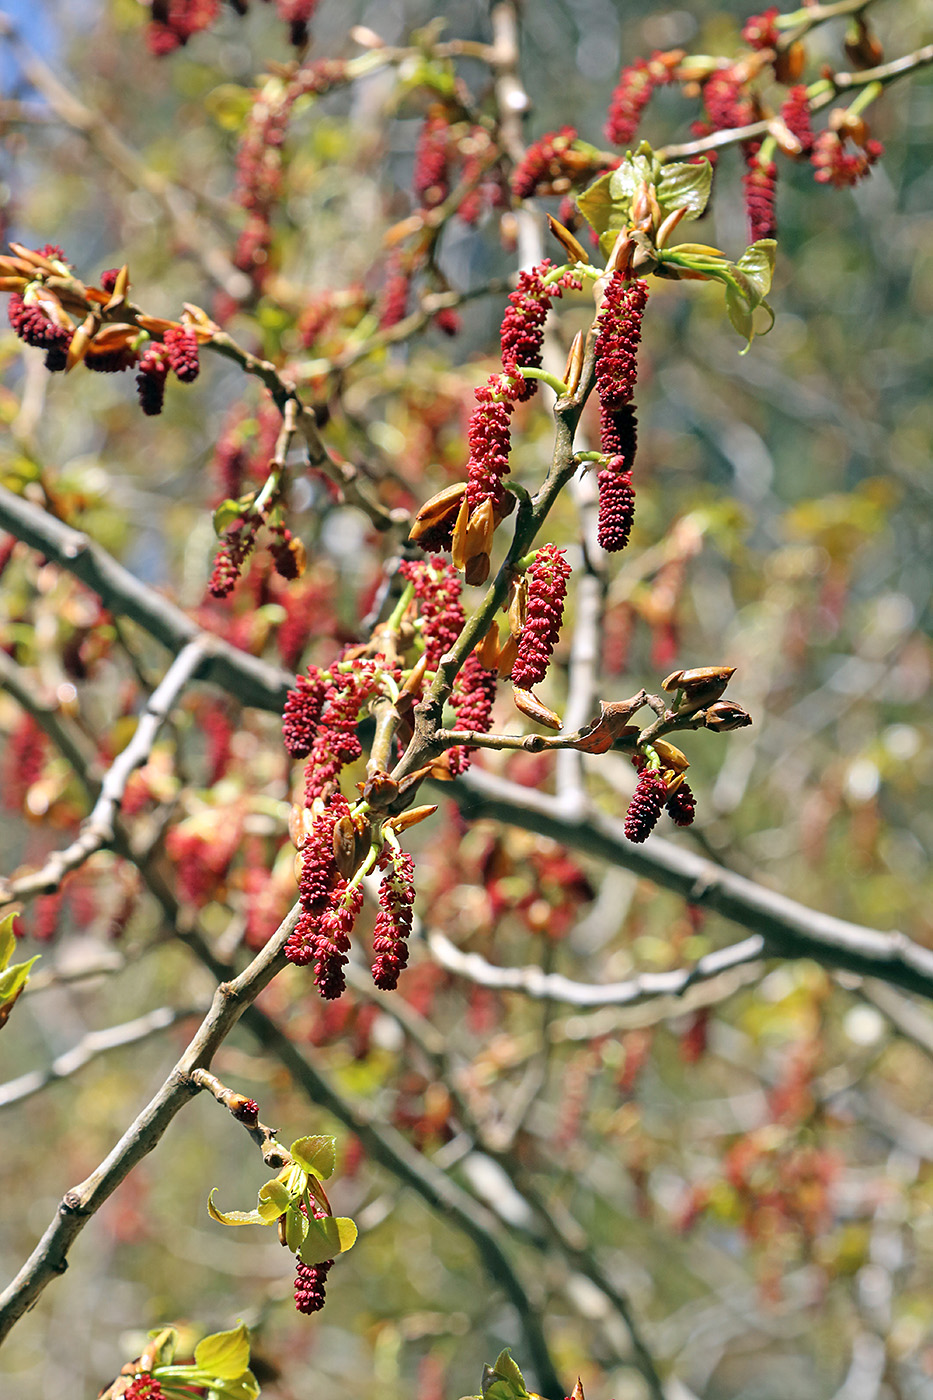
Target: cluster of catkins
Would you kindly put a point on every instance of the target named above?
(42, 315)
(174, 22)
(319, 724)
(657, 792)
(730, 101)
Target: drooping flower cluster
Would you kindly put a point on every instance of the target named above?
(310, 1280)
(547, 589)
(393, 922)
(727, 99)
(760, 31)
(544, 167)
(431, 179)
(834, 165)
(759, 183)
(489, 438)
(633, 91)
(39, 328)
(174, 22)
(328, 905)
(522, 332)
(473, 697)
(259, 161)
(616, 505)
(437, 589)
(795, 113)
(617, 342)
(656, 792)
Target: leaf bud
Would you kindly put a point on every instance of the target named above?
(411, 818)
(725, 715)
(345, 846)
(529, 704)
(671, 756)
(437, 509)
(380, 790)
(789, 64)
(697, 678)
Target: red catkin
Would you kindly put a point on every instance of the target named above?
(644, 810)
(795, 113)
(547, 589)
(490, 442)
(632, 93)
(181, 352)
(393, 922)
(473, 698)
(759, 183)
(542, 162)
(616, 506)
(833, 165)
(681, 807)
(618, 340)
(310, 1280)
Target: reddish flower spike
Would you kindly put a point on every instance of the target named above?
(547, 589)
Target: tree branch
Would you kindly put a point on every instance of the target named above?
(534, 982)
(250, 680)
(98, 830)
(50, 1257)
(789, 929)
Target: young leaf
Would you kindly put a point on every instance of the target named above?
(233, 1217)
(327, 1238)
(225, 514)
(317, 1155)
(12, 982)
(224, 1355)
(757, 263)
(296, 1228)
(504, 1381)
(7, 940)
(683, 186)
(598, 207)
(274, 1199)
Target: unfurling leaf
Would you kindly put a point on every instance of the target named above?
(327, 1238)
(274, 1200)
(316, 1155)
(233, 1217)
(683, 186)
(224, 1355)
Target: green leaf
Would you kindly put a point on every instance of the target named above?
(225, 514)
(757, 263)
(14, 979)
(233, 1217)
(296, 1228)
(504, 1381)
(597, 206)
(683, 186)
(317, 1155)
(224, 1355)
(7, 939)
(245, 1387)
(167, 1339)
(274, 1200)
(327, 1238)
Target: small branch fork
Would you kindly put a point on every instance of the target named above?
(230, 1001)
(99, 829)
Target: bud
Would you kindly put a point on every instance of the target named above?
(410, 818)
(507, 655)
(571, 246)
(459, 542)
(696, 679)
(863, 48)
(574, 367)
(345, 846)
(725, 715)
(789, 65)
(380, 790)
(488, 649)
(439, 508)
(477, 569)
(529, 704)
(671, 756)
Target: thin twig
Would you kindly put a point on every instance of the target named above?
(539, 985)
(90, 1046)
(97, 831)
